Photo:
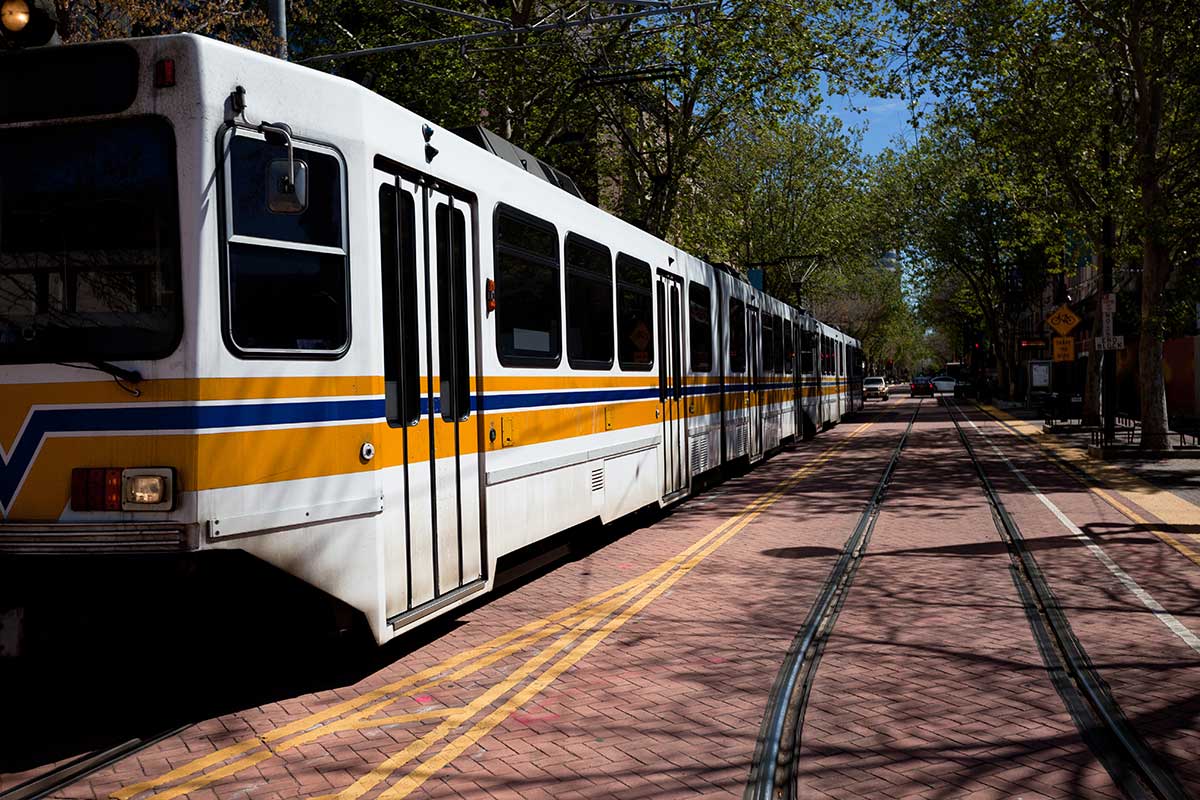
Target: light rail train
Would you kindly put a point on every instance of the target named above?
(248, 305)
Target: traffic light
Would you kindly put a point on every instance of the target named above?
(27, 23)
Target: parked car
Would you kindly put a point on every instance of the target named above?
(920, 386)
(944, 384)
(875, 387)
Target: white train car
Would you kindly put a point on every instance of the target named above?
(245, 305)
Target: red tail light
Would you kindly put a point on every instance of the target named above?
(96, 489)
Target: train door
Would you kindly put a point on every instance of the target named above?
(436, 547)
(840, 349)
(793, 356)
(670, 386)
(754, 447)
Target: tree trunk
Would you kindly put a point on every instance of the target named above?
(1156, 260)
(1152, 384)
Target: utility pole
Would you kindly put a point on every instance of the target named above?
(277, 10)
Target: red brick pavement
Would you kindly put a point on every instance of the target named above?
(931, 684)
(668, 703)
(1154, 674)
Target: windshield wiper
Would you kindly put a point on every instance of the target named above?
(127, 375)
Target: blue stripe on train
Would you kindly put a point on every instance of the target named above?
(241, 415)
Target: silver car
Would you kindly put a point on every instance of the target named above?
(875, 387)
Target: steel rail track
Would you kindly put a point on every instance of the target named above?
(772, 771)
(1103, 725)
(79, 768)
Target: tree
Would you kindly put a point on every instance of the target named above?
(795, 198)
(240, 22)
(967, 239)
(1107, 89)
(633, 104)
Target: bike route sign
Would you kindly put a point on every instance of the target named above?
(1063, 320)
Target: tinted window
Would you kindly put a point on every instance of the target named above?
(453, 366)
(286, 299)
(635, 319)
(589, 304)
(289, 285)
(57, 82)
(319, 224)
(89, 242)
(528, 310)
(399, 282)
(737, 335)
(676, 355)
(700, 326)
(768, 342)
(789, 347)
(807, 345)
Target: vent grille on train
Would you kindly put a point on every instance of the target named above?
(739, 438)
(598, 479)
(700, 454)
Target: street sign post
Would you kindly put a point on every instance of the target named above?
(1064, 348)
(1063, 320)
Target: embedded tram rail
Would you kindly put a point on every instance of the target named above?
(1101, 721)
(74, 770)
(772, 772)
(1135, 769)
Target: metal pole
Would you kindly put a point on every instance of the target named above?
(1108, 374)
(277, 10)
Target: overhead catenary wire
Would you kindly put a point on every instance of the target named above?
(544, 26)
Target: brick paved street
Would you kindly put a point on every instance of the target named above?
(1153, 671)
(640, 666)
(931, 684)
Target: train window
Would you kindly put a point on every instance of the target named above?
(528, 310)
(635, 317)
(807, 344)
(589, 304)
(676, 336)
(454, 366)
(700, 327)
(768, 342)
(287, 277)
(737, 335)
(778, 344)
(789, 347)
(400, 337)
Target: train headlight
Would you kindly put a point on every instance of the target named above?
(147, 489)
(14, 15)
(28, 23)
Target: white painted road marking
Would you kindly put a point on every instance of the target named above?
(1165, 617)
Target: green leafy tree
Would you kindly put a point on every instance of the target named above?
(1102, 94)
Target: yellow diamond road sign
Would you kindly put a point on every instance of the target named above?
(1063, 320)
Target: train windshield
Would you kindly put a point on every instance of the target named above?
(89, 242)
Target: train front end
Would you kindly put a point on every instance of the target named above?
(97, 359)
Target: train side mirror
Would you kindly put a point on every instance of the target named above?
(287, 179)
(287, 186)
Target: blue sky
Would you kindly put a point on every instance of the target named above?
(882, 121)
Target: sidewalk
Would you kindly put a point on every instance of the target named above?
(1180, 476)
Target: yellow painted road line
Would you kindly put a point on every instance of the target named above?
(1171, 509)
(310, 727)
(428, 768)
